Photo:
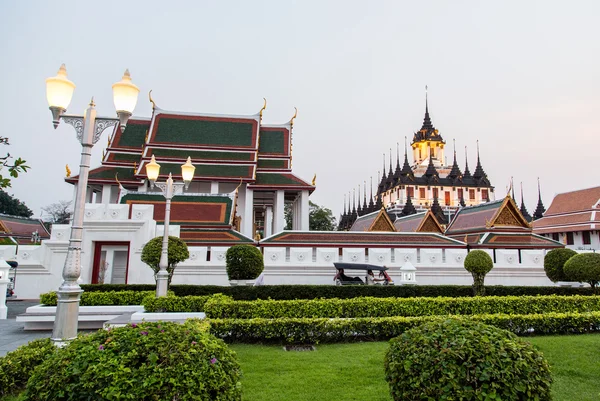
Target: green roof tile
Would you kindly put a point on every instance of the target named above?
(271, 163)
(203, 155)
(203, 132)
(133, 136)
(272, 142)
(209, 170)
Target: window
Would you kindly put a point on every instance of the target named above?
(472, 194)
(410, 191)
(484, 193)
(422, 193)
(435, 192)
(447, 198)
(570, 239)
(555, 236)
(460, 193)
(586, 237)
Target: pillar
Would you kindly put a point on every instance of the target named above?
(214, 187)
(268, 221)
(304, 211)
(279, 212)
(106, 193)
(248, 217)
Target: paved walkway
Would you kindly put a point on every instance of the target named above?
(12, 334)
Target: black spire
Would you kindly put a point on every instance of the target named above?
(427, 125)
(540, 209)
(524, 211)
(379, 202)
(398, 170)
(381, 187)
(479, 174)
(406, 170)
(437, 211)
(371, 204)
(431, 172)
(467, 173)
(408, 208)
(343, 217)
(365, 208)
(462, 200)
(427, 131)
(359, 210)
(512, 188)
(455, 172)
(389, 183)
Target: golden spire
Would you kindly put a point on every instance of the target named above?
(68, 171)
(314, 180)
(134, 167)
(152, 100)
(103, 153)
(293, 117)
(263, 109)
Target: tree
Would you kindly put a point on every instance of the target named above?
(14, 167)
(244, 262)
(178, 252)
(584, 268)
(58, 213)
(12, 206)
(319, 218)
(554, 263)
(478, 263)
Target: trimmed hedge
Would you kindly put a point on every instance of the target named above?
(222, 307)
(175, 304)
(345, 291)
(103, 298)
(323, 330)
(17, 366)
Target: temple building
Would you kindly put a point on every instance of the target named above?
(242, 181)
(429, 182)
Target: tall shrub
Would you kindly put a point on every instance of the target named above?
(244, 262)
(178, 252)
(554, 262)
(478, 263)
(585, 268)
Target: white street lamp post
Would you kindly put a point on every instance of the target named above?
(89, 128)
(169, 189)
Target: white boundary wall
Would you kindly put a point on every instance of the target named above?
(40, 266)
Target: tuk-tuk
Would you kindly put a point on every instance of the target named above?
(341, 278)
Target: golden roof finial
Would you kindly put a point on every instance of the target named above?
(68, 171)
(263, 108)
(134, 167)
(314, 180)
(152, 100)
(110, 137)
(293, 117)
(103, 153)
(146, 137)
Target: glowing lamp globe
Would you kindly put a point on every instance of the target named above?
(125, 95)
(152, 170)
(59, 91)
(187, 171)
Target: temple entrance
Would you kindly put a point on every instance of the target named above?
(110, 263)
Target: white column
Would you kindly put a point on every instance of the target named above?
(106, 193)
(214, 187)
(268, 221)
(248, 218)
(279, 212)
(295, 214)
(89, 195)
(304, 211)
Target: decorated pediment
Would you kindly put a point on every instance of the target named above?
(429, 224)
(382, 223)
(508, 214)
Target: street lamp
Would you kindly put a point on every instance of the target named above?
(168, 189)
(88, 128)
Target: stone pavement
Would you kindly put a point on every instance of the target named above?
(12, 334)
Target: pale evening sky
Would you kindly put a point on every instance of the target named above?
(520, 76)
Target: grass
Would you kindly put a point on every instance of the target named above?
(340, 372)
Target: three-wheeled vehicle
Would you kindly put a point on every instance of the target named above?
(380, 275)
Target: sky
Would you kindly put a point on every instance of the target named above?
(522, 77)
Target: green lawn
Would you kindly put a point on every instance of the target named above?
(341, 372)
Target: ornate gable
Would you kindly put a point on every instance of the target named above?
(508, 214)
(429, 224)
(382, 223)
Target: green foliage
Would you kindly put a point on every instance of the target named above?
(221, 306)
(554, 262)
(103, 298)
(177, 252)
(585, 268)
(250, 293)
(244, 262)
(14, 167)
(188, 303)
(478, 263)
(17, 366)
(327, 330)
(12, 206)
(149, 361)
(453, 359)
(319, 218)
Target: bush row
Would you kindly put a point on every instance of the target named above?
(175, 304)
(332, 291)
(322, 330)
(16, 366)
(223, 307)
(103, 298)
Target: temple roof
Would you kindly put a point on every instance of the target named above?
(376, 221)
(361, 239)
(21, 228)
(517, 240)
(502, 214)
(280, 180)
(213, 237)
(427, 131)
(571, 211)
(418, 222)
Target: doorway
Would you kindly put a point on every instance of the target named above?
(111, 262)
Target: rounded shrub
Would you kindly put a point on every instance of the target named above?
(465, 360)
(17, 366)
(177, 252)
(244, 262)
(478, 263)
(149, 361)
(585, 268)
(554, 262)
